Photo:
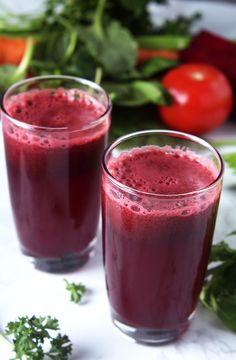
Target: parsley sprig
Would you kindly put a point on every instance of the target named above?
(219, 292)
(76, 291)
(35, 338)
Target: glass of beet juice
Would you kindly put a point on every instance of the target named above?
(55, 130)
(160, 194)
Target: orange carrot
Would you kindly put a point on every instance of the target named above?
(11, 50)
(146, 54)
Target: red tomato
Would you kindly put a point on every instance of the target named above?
(202, 98)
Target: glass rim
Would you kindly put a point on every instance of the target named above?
(98, 120)
(171, 133)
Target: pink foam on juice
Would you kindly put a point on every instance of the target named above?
(161, 171)
(54, 176)
(55, 108)
(156, 248)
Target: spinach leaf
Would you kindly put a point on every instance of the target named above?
(137, 92)
(115, 49)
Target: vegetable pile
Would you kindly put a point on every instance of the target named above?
(96, 39)
(112, 42)
(107, 41)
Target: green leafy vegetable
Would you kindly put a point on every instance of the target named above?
(115, 48)
(32, 339)
(155, 65)
(137, 93)
(79, 37)
(76, 291)
(219, 292)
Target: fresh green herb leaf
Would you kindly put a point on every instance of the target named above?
(76, 291)
(182, 25)
(156, 65)
(231, 161)
(222, 251)
(32, 335)
(138, 92)
(115, 48)
(134, 14)
(219, 292)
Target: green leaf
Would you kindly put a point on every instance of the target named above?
(222, 251)
(138, 92)
(82, 64)
(231, 160)
(116, 50)
(226, 310)
(134, 5)
(156, 65)
(60, 348)
(219, 291)
(29, 335)
(181, 25)
(76, 291)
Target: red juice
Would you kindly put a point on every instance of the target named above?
(54, 176)
(156, 249)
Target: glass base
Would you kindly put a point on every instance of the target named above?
(65, 264)
(150, 336)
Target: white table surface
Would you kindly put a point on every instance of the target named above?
(26, 291)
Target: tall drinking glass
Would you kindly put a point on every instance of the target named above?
(160, 192)
(55, 130)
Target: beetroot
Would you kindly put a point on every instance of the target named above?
(212, 49)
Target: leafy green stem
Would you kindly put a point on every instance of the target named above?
(168, 42)
(21, 69)
(98, 75)
(71, 46)
(98, 17)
